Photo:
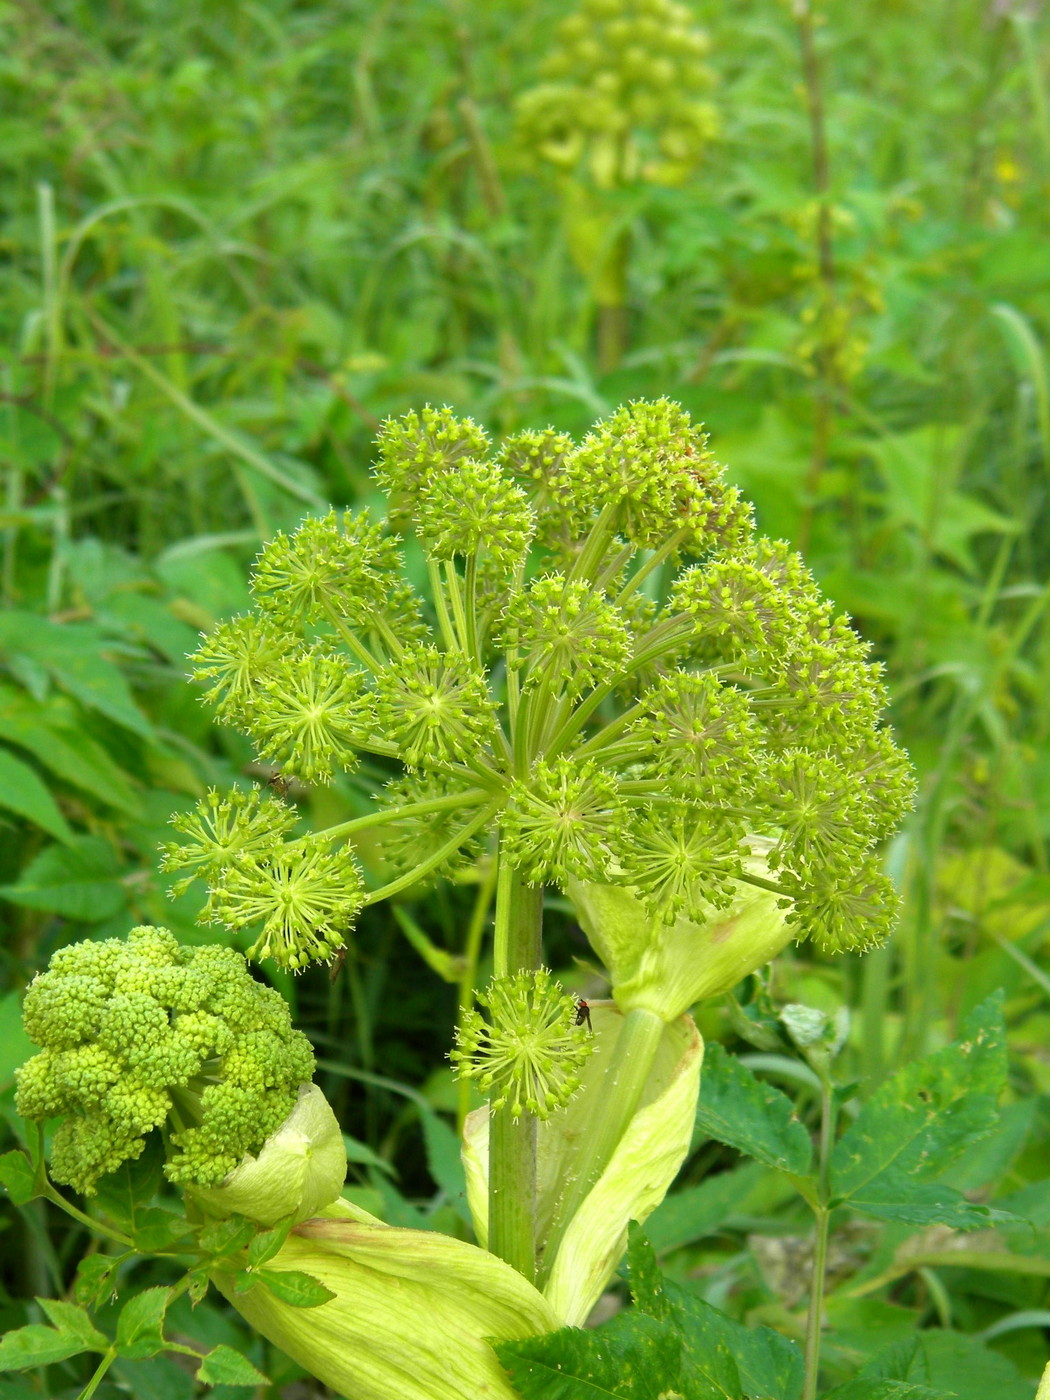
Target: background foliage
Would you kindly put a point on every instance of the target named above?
(235, 237)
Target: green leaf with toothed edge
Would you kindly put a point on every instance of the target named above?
(737, 1108)
(224, 1366)
(922, 1119)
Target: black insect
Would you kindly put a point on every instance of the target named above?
(583, 1014)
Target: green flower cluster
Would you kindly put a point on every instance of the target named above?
(140, 1033)
(622, 97)
(609, 672)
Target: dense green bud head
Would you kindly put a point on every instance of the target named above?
(597, 668)
(141, 1033)
(623, 96)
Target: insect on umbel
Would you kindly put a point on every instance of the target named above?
(583, 1014)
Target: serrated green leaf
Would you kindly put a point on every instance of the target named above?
(894, 1196)
(140, 1327)
(267, 1243)
(925, 1116)
(765, 1362)
(296, 1289)
(36, 1345)
(74, 1321)
(95, 1282)
(737, 1108)
(224, 1366)
(79, 881)
(18, 1177)
(631, 1357)
(22, 792)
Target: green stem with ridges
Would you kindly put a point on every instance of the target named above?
(512, 1142)
(410, 809)
(459, 613)
(620, 1093)
(452, 845)
(653, 562)
(471, 586)
(437, 592)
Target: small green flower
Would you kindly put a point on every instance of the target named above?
(473, 508)
(435, 706)
(529, 1052)
(419, 446)
(305, 895)
(685, 860)
(239, 656)
(565, 820)
(565, 634)
(223, 826)
(312, 715)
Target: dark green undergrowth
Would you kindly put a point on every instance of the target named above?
(233, 239)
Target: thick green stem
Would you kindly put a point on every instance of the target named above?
(437, 592)
(512, 1142)
(822, 1215)
(621, 1090)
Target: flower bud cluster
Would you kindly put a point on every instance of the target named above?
(622, 96)
(608, 671)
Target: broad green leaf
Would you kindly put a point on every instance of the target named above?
(224, 1366)
(74, 1322)
(17, 1177)
(37, 1345)
(296, 1289)
(80, 881)
(632, 1357)
(860, 1389)
(50, 733)
(896, 1196)
(689, 1215)
(737, 1108)
(267, 1243)
(967, 1370)
(767, 1363)
(74, 655)
(720, 1357)
(924, 1117)
(156, 1229)
(140, 1327)
(22, 792)
(96, 1281)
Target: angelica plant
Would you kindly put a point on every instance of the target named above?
(613, 684)
(623, 102)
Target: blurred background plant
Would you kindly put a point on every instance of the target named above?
(236, 237)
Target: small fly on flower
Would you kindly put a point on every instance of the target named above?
(583, 1014)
